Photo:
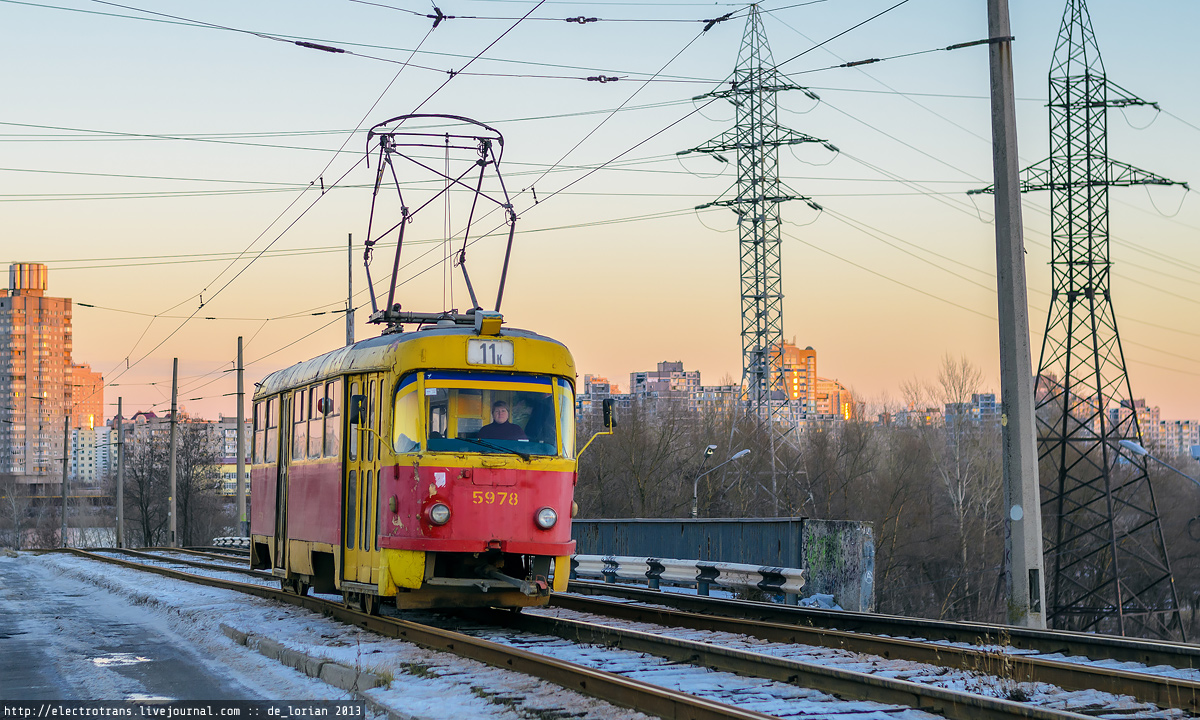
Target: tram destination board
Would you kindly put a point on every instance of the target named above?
(166, 709)
(489, 352)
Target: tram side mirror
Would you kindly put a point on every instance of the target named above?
(610, 413)
(358, 409)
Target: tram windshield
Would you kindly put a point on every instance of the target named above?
(484, 412)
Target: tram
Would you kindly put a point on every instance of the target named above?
(380, 469)
(435, 465)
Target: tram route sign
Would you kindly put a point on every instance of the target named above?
(490, 352)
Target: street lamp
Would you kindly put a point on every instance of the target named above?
(696, 483)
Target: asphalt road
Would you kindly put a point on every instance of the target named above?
(65, 640)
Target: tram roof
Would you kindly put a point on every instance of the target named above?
(370, 355)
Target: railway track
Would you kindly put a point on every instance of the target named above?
(676, 653)
(1157, 689)
(1015, 639)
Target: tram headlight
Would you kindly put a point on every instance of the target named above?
(545, 518)
(439, 513)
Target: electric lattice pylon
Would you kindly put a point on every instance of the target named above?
(1104, 543)
(755, 139)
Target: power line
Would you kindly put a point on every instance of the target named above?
(893, 280)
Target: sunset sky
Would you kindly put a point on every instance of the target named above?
(157, 155)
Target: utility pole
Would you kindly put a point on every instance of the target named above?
(1024, 575)
(171, 504)
(1110, 569)
(241, 444)
(66, 468)
(120, 476)
(349, 288)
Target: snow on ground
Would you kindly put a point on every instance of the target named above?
(978, 683)
(423, 684)
(1192, 674)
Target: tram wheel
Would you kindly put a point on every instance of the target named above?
(370, 604)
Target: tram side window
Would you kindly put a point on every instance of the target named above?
(299, 425)
(405, 412)
(371, 422)
(352, 438)
(333, 412)
(271, 451)
(566, 416)
(259, 433)
(316, 407)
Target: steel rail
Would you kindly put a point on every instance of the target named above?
(261, 575)
(843, 683)
(1095, 647)
(227, 553)
(606, 686)
(636, 694)
(1157, 689)
(221, 550)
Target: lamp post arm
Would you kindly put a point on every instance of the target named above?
(1176, 470)
(696, 486)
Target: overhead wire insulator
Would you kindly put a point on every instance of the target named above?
(708, 24)
(317, 46)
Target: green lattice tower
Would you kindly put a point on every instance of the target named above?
(1104, 542)
(755, 140)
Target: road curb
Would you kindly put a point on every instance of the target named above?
(340, 676)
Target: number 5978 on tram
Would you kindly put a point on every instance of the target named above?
(430, 468)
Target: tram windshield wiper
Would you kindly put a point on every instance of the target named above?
(501, 448)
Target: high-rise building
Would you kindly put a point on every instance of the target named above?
(87, 397)
(799, 368)
(91, 455)
(35, 379)
(669, 381)
(812, 397)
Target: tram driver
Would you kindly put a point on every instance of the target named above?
(500, 428)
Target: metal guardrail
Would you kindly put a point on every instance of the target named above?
(242, 543)
(703, 575)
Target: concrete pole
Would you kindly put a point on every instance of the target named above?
(1024, 575)
(350, 289)
(66, 469)
(241, 444)
(171, 504)
(120, 476)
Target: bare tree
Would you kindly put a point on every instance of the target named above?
(965, 456)
(198, 479)
(638, 471)
(15, 520)
(146, 489)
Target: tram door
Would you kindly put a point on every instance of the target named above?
(281, 479)
(360, 536)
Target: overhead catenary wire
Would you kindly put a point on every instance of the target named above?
(294, 221)
(543, 195)
(318, 198)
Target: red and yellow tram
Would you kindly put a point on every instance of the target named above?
(380, 470)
